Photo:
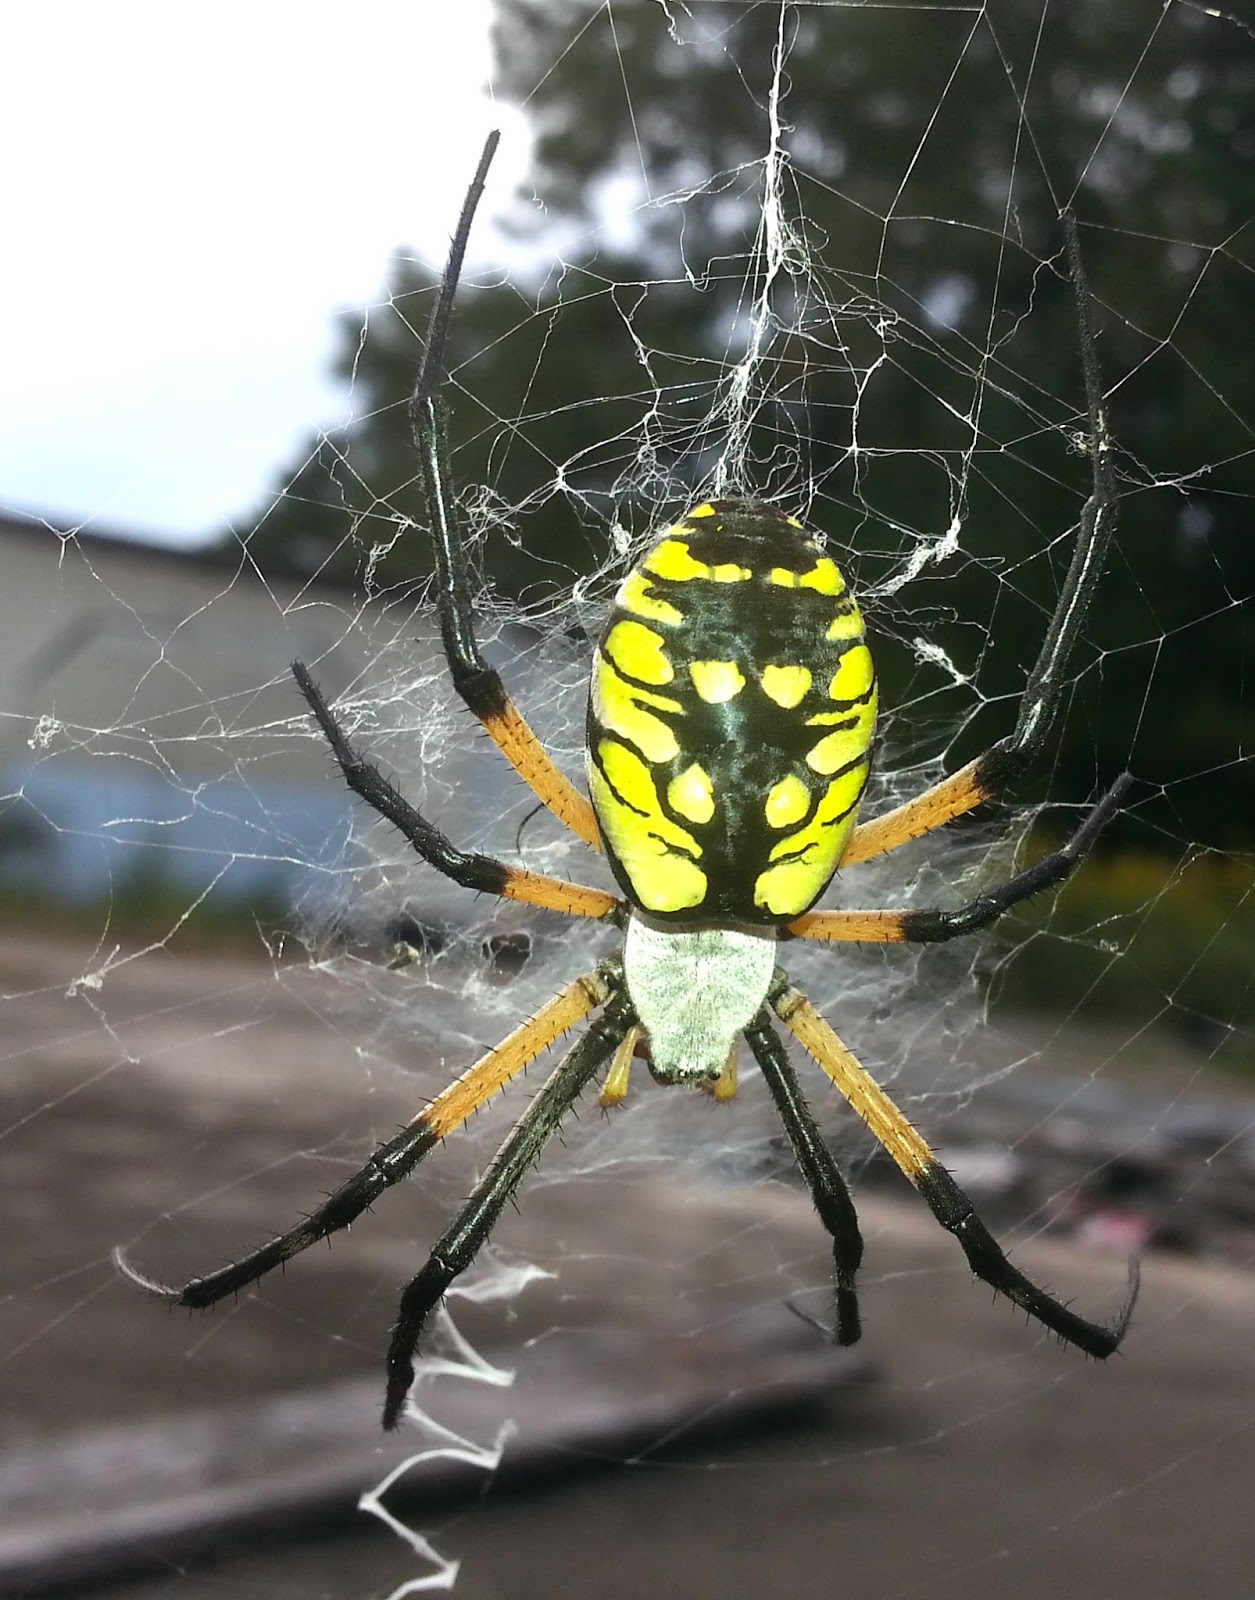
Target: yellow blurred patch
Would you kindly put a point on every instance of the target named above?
(636, 594)
(824, 576)
(671, 559)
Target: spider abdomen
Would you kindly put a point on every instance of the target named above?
(730, 721)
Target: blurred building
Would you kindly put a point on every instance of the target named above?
(152, 741)
(146, 720)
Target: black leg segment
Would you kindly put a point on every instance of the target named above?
(930, 926)
(520, 1150)
(819, 1167)
(468, 868)
(1009, 757)
(389, 1164)
(953, 1210)
(478, 684)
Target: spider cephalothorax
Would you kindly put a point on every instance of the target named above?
(730, 723)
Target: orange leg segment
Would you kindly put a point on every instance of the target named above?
(513, 736)
(953, 797)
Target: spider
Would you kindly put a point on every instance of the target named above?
(730, 722)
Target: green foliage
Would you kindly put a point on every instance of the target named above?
(150, 904)
(565, 388)
(1134, 936)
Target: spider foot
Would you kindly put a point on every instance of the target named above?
(846, 1327)
(164, 1291)
(400, 1381)
(418, 1300)
(1120, 1326)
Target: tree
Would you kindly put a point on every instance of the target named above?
(926, 312)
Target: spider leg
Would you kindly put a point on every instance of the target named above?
(932, 926)
(818, 1167)
(1003, 764)
(947, 1202)
(468, 868)
(478, 684)
(397, 1157)
(519, 1151)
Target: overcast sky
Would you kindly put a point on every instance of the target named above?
(190, 194)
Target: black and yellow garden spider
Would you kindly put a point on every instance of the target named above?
(729, 731)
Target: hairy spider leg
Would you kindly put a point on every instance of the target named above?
(519, 1151)
(944, 1198)
(930, 925)
(468, 868)
(397, 1157)
(478, 684)
(1002, 765)
(818, 1166)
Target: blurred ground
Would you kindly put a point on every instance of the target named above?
(983, 1458)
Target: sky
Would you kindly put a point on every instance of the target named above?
(190, 194)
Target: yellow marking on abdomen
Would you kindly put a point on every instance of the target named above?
(786, 686)
(854, 686)
(814, 852)
(847, 624)
(787, 802)
(673, 559)
(836, 751)
(631, 779)
(854, 675)
(639, 652)
(654, 852)
(692, 794)
(623, 709)
(717, 681)
(636, 595)
(824, 576)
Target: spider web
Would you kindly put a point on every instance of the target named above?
(164, 746)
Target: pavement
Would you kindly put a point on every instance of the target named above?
(189, 1103)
